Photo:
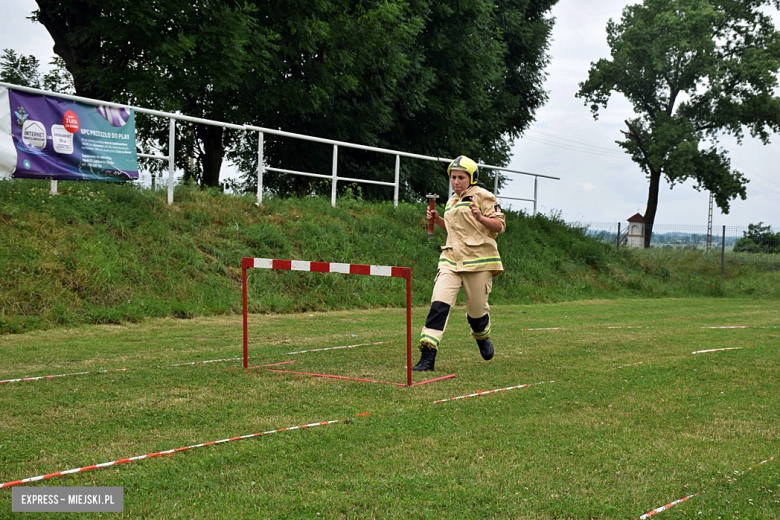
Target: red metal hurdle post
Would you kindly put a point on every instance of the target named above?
(332, 267)
(244, 265)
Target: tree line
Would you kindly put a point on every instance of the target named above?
(434, 77)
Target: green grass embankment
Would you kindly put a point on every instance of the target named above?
(103, 253)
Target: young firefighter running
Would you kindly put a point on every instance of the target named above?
(473, 220)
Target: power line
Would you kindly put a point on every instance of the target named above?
(754, 173)
(754, 183)
(567, 147)
(610, 150)
(606, 152)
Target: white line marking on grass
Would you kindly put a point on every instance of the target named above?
(631, 327)
(197, 362)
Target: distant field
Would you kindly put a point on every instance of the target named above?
(619, 419)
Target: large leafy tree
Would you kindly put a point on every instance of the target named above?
(483, 72)
(340, 69)
(470, 78)
(436, 77)
(199, 58)
(693, 70)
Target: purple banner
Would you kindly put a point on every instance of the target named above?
(59, 139)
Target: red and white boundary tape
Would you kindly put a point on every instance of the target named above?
(335, 348)
(61, 375)
(716, 350)
(672, 504)
(490, 392)
(629, 365)
(327, 376)
(730, 327)
(740, 473)
(158, 454)
(125, 369)
(744, 327)
(184, 364)
(631, 327)
(667, 506)
(199, 362)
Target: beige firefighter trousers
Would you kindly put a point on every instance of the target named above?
(477, 286)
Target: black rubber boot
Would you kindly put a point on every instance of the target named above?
(485, 348)
(427, 359)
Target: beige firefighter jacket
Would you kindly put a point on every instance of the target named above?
(470, 245)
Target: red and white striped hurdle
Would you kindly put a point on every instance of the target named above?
(334, 267)
(327, 267)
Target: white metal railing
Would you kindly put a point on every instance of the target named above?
(262, 168)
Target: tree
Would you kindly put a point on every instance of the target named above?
(758, 239)
(226, 60)
(470, 83)
(198, 58)
(484, 71)
(437, 77)
(19, 70)
(338, 73)
(23, 71)
(692, 69)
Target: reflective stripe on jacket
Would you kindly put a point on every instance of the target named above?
(470, 245)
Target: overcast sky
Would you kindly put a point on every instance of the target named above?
(598, 182)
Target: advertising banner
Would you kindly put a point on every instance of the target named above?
(44, 137)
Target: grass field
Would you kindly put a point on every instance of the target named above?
(620, 417)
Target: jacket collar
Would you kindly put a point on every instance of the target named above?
(465, 193)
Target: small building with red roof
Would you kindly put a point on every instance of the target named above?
(636, 231)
